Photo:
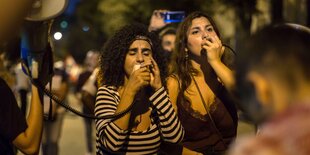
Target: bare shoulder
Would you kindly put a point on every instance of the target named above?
(173, 89)
(173, 82)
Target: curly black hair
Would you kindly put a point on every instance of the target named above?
(113, 55)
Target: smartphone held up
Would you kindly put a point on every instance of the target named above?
(173, 16)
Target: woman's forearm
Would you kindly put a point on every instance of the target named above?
(224, 73)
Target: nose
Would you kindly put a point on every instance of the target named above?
(205, 35)
(140, 58)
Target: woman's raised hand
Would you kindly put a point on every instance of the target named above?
(139, 78)
(214, 49)
(155, 80)
(157, 20)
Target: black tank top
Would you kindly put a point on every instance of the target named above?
(200, 133)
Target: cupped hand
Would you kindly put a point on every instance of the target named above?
(155, 76)
(139, 79)
(214, 49)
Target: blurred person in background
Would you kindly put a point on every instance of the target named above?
(55, 113)
(201, 77)
(132, 77)
(15, 130)
(86, 90)
(13, 64)
(165, 31)
(5, 71)
(22, 87)
(273, 77)
(167, 37)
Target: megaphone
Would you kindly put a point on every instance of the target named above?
(43, 10)
(36, 50)
(35, 33)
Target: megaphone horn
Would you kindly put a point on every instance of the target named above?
(43, 10)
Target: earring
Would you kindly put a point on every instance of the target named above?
(186, 54)
(186, 58)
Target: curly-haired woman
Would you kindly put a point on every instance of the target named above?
(132, 74)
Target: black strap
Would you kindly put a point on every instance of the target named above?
(217, 88)
(208, 112)
(50, 112)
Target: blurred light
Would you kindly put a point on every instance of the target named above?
(70, 10)
(57, 36)
(85, 28)
(64, 24)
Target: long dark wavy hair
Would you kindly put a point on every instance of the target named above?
(114, 51)
(181, 68)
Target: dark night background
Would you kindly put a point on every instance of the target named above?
(87, 24)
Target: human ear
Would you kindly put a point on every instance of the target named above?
(261, 86)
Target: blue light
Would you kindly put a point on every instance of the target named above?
(64, 24)
(85, 28)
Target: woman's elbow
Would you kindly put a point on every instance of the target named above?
(114, 147)
(178, 137)
(32, 150)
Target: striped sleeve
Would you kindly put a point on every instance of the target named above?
(170, 125)
(109, 134)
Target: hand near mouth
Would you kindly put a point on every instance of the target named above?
(214, 48)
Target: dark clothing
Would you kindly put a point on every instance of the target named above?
(23, 100)
(82, 79)
(53, 125)
(12, 120)
(85, 97)
(61, 72)
(201, 134)
(86, 110)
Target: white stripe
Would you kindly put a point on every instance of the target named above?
(141, 148)
(133, 142)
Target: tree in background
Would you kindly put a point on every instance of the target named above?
(308, 13)
(103, 17)
(116, 14)
(277, 11)
(81, 31)
(244, 10)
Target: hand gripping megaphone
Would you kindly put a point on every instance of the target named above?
(36, 51)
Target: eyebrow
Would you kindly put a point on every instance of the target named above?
(197, 27)
(143, 49)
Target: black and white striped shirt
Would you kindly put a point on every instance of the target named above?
(110, 137)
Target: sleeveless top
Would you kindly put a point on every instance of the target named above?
(201, 134)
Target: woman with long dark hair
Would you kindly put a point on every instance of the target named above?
(198, 86)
